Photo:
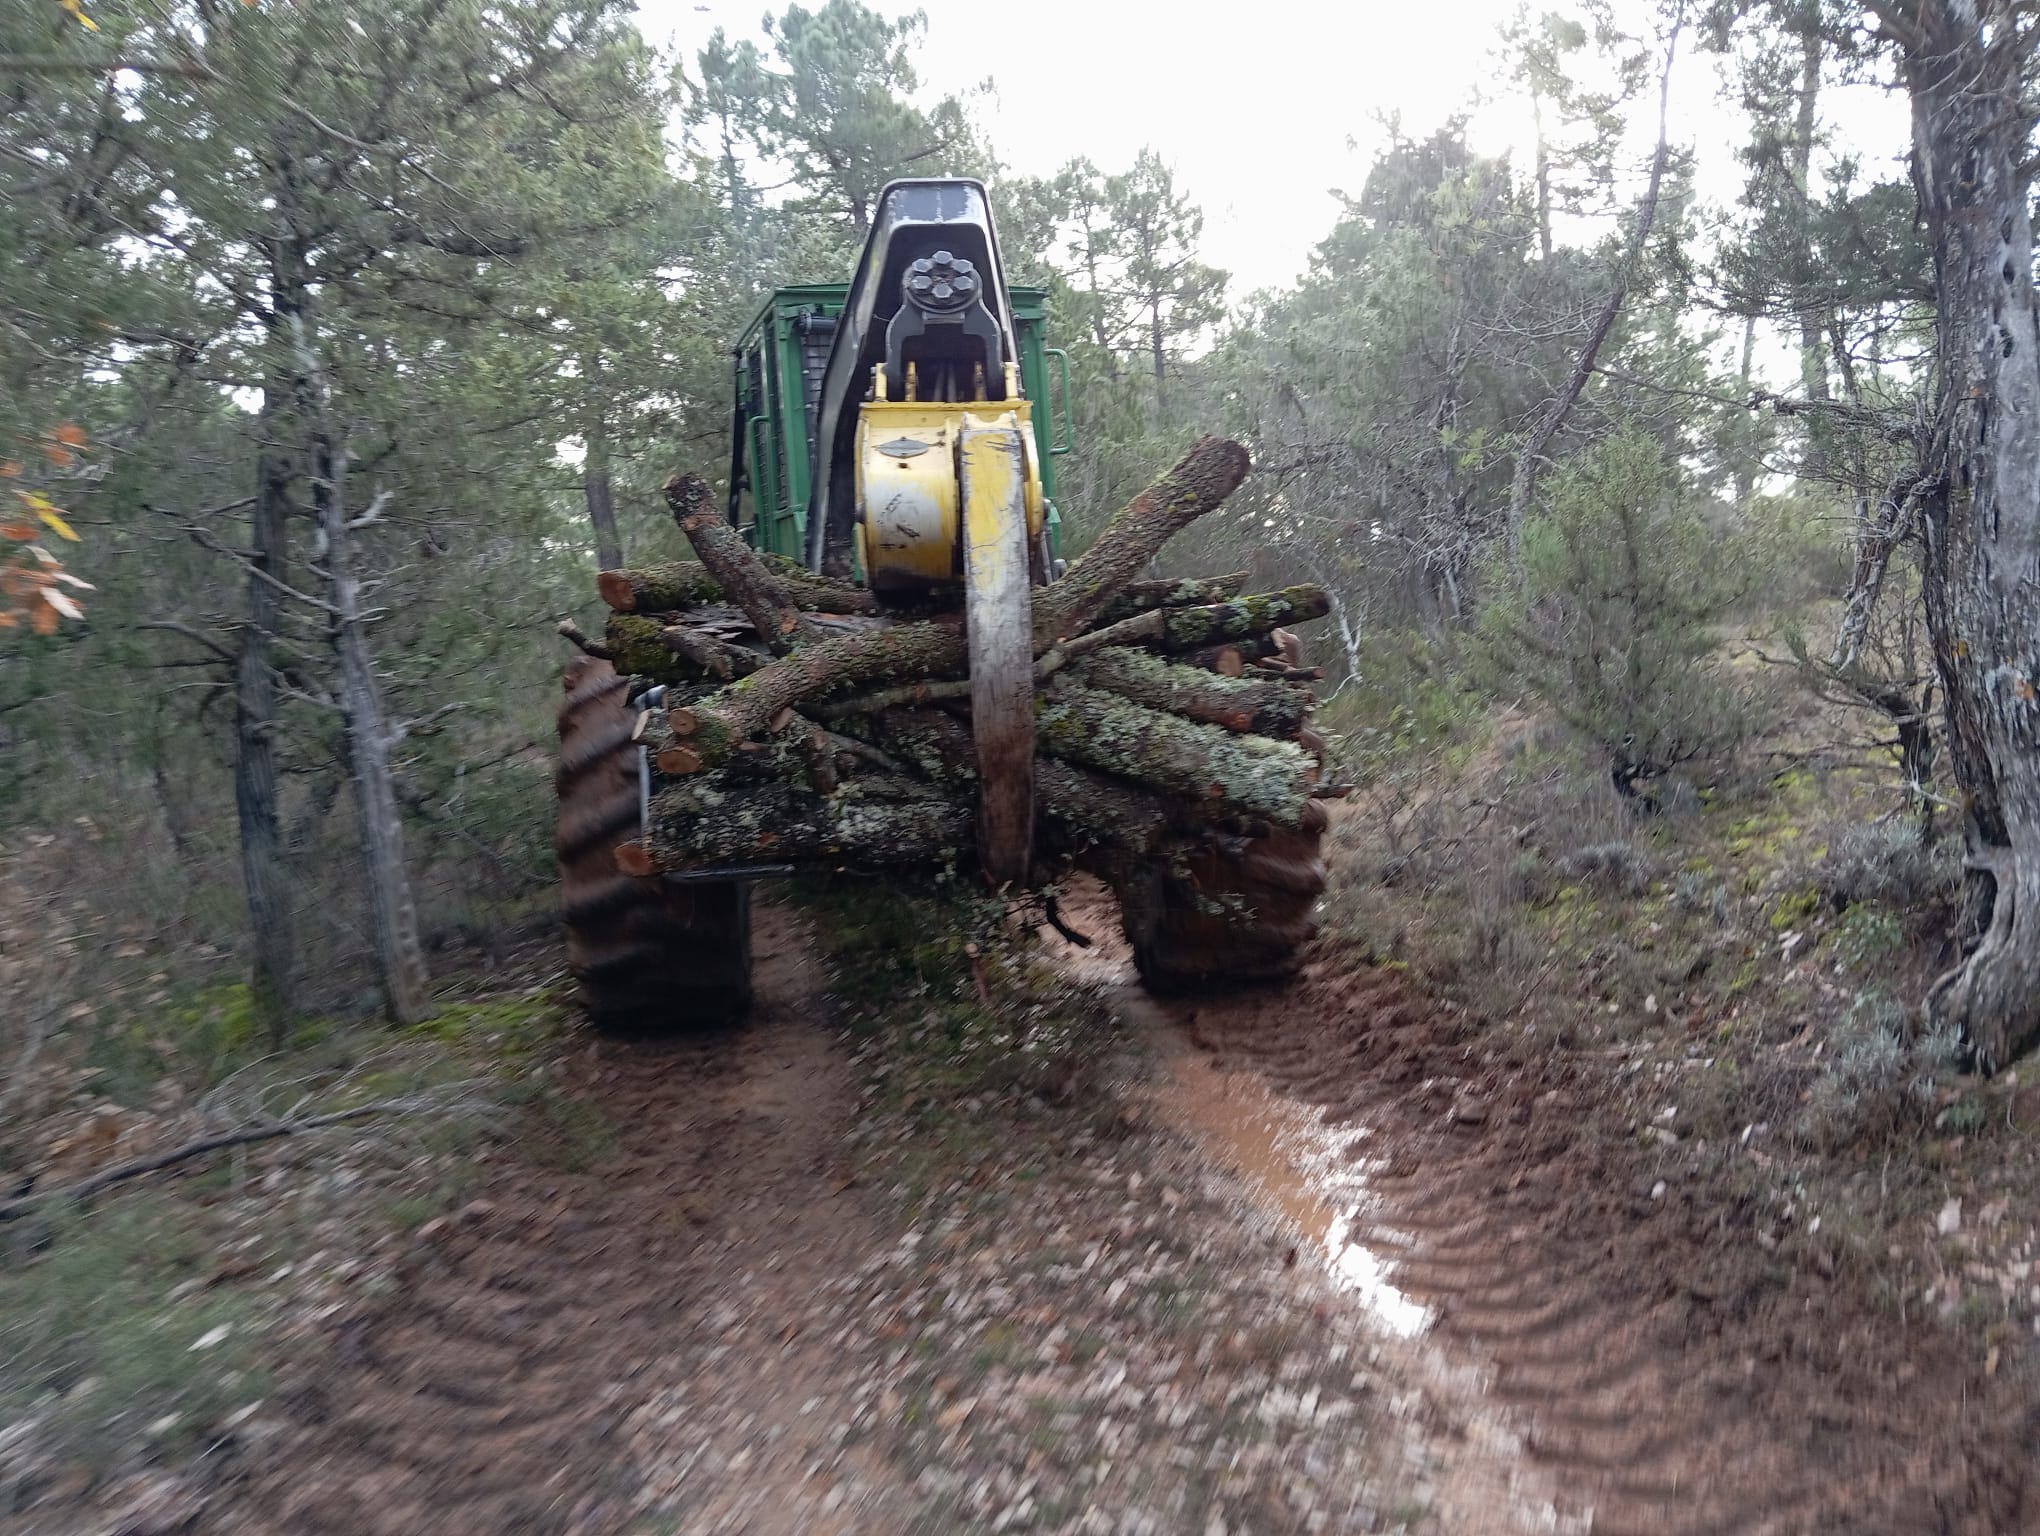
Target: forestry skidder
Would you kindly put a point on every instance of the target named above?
(880, 660)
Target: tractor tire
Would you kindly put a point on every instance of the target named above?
(647, 955)
(1215, 911)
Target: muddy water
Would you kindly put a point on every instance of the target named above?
(1295, 1164)
(1314, 1178)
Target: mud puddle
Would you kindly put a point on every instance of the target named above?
(1316, 1178)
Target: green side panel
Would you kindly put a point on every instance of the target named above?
(778, 368)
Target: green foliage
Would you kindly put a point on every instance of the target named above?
(1872, 1073)
(1611, 628)
(109, 1334)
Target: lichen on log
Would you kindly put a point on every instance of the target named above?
(1186, 592)
(658, 588)
(1192, 629)
(1251, 775)
(875, 819)
(1262, 706)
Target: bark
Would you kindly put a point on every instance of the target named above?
(255, 725)
(600, 492)
(1238, 704)
(736, 569)
(1964, 67)
(718, 726)
(1245, 618)
(873, 820)
(1233, 658)
(1089, 817)
(1746, 465)
(1209, 472)
(1141, 596)
(648, 646)
(1813, 367)
(1214, 770)
(684, 584)
(371, 742)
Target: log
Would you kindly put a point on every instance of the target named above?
(1232, 659)
(1198, 629)
(1209, 472)
(658, 588)
(708, 657)
(1140, 596)
(1081, 813)
(645, 644)
(734, 565)
(686, 584)
(1264, 707)
(721, 723)
(875, 819)
(1247, 775)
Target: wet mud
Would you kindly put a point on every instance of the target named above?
(1614, 1354)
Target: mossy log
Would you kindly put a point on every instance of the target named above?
(685, 584)
(648, 646)
(1262, 706)
(1209, 472)
(1081, 813)
(737, 570)
(1187, 592)
(1248, 775)
(1197, 629)
(873, 820)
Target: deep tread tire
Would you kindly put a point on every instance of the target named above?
(647, 955)
(1216, 911)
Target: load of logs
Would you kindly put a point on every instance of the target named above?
(801, 725)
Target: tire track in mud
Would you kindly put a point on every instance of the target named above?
(1665, 1374)
(1654, 1368)
(509, 1379)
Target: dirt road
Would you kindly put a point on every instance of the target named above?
(1303, 1261)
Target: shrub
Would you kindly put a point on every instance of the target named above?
(1888, 864)
(1611, 626)
(1617, 867)
(1862, 1085)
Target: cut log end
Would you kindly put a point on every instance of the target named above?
(635, 859)
(678, 761)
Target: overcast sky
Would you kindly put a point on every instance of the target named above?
(1260, 111)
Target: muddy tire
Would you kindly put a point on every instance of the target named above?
(647, 955)
(1218, 911)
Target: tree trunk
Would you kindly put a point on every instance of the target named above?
(1813, 368)
(601, 493)
(1746, 464)
(1155, 341)
(255, 727)
(1964, 65)
(400, 958)
(1531, 454)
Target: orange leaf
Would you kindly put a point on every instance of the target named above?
(59, 455)
(42, 618)
(70, 434)
(21, 533)
(10, 470)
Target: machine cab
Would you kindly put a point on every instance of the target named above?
(780, 362)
